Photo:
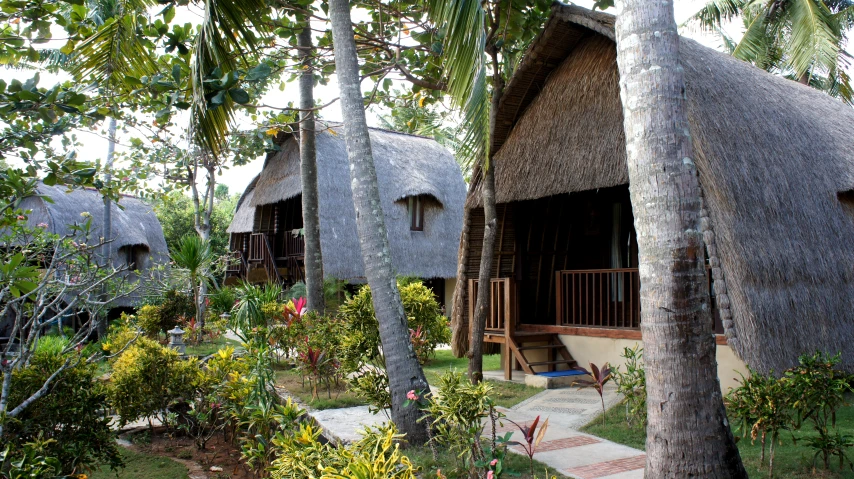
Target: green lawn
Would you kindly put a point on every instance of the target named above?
(291, 380)
(206, 348)
(139, 465)
(790, 461)
(505, 394)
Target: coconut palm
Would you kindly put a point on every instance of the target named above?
(481, 42)
(802, 39)
(195, 256)
(687, 434)
(403, 369)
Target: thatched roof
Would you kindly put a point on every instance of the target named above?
(135, 224)
(407, 165)
(773, 157)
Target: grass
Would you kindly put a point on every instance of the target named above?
(505, 394)
(516, 466)
(139, 465)
(291, 380)
(791, 461)
(206, 348)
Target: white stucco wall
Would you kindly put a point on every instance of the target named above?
(585, 350)
(450, 284)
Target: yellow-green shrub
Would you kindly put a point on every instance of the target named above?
(423, 315)
(148, 319)
(147, 378)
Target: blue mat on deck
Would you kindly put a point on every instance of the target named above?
(557, 374)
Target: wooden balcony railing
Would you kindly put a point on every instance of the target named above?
(236, 265)
(294, 244)
(502, 305)
(606, 298)
(261, 251)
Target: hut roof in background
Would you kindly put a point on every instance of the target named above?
(406, 165)
(773, 157)
(133, 224)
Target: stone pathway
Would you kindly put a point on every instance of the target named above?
(563, 448)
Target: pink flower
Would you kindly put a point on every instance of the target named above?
(490, 475)
(412, 396)
(42, 225)
(493, 462)
(22, 217)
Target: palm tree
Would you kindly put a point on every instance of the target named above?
(478, 55)
(687, 434)
(801, 39)
(404, 371)
(194, 255)
(308, 173)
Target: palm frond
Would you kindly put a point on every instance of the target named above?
(229, 36)
(812, 42)
(754, 43)
(473, 148)
(463, 43)
(113, 52)
(461, 23)
(715, 13)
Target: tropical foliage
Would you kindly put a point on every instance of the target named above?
(801, 39)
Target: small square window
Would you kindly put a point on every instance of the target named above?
(415, 207)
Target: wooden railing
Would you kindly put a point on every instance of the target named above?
(257, 246)
(260, 250)
(294, 244)
(236, 266)
(502, 304)
(606, 298)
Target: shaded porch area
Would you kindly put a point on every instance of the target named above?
(563, 265)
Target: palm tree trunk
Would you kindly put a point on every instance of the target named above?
(458, 313)
(404, 371)
(687, 434)
(107, 227)
(481, 310)
(308, 172)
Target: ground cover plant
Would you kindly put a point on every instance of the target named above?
(798, 424)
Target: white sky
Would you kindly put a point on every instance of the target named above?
(237, 178)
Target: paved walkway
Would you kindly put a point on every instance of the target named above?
(564, 448)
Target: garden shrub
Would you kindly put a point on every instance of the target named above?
(148, 319)
(148, 378)
(66, 424)
(119, 335)
(456, 414)
(632, 385)
(221, 300)
(173, 307)
(377, 455)
(816, 392)
(761, 407)
(812, 392)
(423, 315)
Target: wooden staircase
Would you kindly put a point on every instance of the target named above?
(530, 350)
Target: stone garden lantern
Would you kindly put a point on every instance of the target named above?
(176, 340)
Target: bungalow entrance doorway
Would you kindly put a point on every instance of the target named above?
(564, 265)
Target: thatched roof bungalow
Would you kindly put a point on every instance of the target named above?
(776, 168)
(422, 192)
(137, 236)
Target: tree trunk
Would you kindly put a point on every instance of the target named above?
(490, 220)
(404, 371)
(308, 172)
(107, 227)
(687, 434)
(477, 324)
(458, 313)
